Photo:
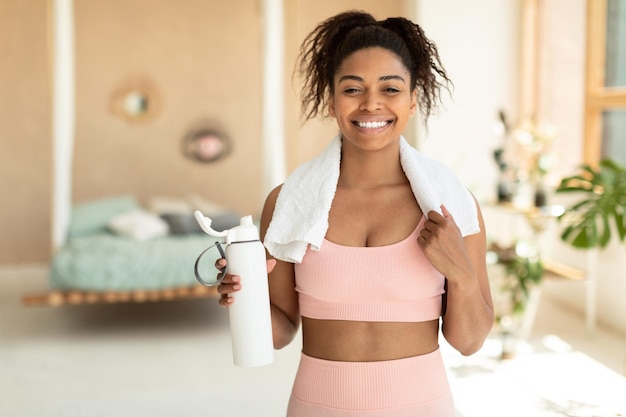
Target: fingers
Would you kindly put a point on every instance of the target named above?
(229, 285)
(220, 264)
(434, 224)
(232, 283)
(430, 225)
(434, 216)
(440, 234)
(445, 212)
(436, 219)
(271, 263)
(423, 237)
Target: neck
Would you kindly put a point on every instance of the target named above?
(371, 169)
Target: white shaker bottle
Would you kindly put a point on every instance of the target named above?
(250, 316)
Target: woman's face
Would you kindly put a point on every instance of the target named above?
(372, 101)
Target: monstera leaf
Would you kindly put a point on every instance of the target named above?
(591, 220)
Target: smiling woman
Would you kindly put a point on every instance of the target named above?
(373, 242)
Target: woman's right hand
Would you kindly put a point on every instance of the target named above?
(232, 283)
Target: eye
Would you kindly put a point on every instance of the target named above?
(391, 90)
(351, 91)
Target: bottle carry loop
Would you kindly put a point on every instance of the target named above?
(222, 273)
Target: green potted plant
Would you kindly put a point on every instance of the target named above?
(523, 273)
(592, 221)
(588, 221)
(515, 287)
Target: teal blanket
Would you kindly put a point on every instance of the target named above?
(104, 262)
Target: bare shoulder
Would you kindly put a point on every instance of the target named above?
(477, 248)
(268, 209)
(481, 235)
(283, 295)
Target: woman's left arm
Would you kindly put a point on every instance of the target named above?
(468, 317)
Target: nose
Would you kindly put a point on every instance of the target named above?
(370, 101)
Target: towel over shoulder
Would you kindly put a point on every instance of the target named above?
(301, 214)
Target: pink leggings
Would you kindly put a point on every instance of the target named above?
(416, 386)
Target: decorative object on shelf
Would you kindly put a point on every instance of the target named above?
(506, 177)
(136, 100)
(515, 286)
(523, 270)
(206, 144)
(523, 161)
(588, 222)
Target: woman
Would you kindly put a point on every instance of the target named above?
(367, 251)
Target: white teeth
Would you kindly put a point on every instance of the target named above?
(371, 125)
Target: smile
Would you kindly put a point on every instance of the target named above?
(372, 125)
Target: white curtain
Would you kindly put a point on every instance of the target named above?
(274, 169)
(63, 117)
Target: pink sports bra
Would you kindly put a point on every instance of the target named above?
(384, 283)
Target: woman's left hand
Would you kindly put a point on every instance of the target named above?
(443, 245)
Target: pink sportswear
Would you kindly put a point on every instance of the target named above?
(409, 387)
(393, 283)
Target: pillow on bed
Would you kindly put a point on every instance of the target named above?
(169, 205)
(139, 225)
(94, 216)
(181, 223)
(223, 221)
(186, 223)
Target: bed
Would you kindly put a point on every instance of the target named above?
(118, 251)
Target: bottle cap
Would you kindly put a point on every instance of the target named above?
(244, 232)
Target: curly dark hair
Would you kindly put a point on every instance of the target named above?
(336, 38)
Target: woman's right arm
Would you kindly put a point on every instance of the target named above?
(283, 295)
(282, 284)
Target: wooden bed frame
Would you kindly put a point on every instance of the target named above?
(58, 298)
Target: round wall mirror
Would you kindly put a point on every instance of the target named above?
(136, 100)
(136, 103)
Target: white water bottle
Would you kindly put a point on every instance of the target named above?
(250, 316)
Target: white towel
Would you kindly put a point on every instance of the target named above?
(301, 214)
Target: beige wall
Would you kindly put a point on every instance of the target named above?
(25, 147)
(204, 59)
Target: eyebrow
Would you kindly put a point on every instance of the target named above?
(383, 78)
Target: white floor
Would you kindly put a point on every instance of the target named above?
(173, 359)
